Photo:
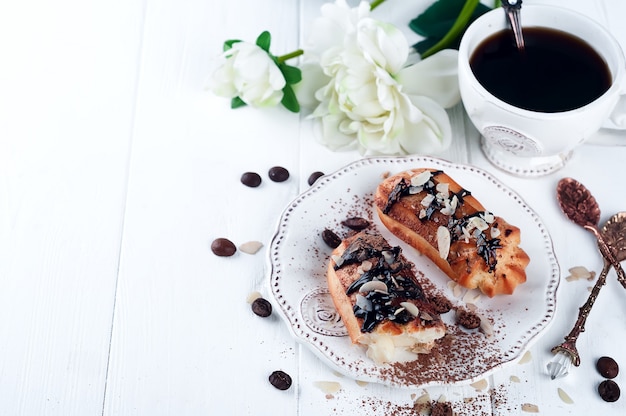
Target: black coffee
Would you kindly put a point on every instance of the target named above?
(556, 71)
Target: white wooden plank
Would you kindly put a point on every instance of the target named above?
(65, 126)
(185, 340)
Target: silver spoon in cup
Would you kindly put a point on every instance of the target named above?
(513, 8)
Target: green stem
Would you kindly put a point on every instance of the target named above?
(456, 29)
(290, 55)
(375, 4)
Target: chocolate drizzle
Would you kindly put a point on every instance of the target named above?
(486, 247)
(389, 268)
(396, 193)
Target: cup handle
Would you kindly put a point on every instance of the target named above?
(613, 132)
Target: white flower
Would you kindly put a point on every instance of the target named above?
(336, 20)
(367, 97)
(249, 73)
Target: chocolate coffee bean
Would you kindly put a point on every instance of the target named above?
(251, 179)
(441, 409)
(262, 307)
(607, 367)
(441, 304)
(609, 391)
(330, 238)
(280, 380)
(314, 177)
(223, 247)
(356, 223)
(467, 319)
(278, 174)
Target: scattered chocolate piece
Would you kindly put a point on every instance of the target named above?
(441, 304)
(314, 177)
(330, 238)
(223, 247)
(467, 319)
(251, 179)
(356, 223)
(607, 367)
(278, 174)
(280, 380)
(609, 391)
(262, 307)
(441, 409)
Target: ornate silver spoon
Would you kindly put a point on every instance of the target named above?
(512, 9)
(614, 233)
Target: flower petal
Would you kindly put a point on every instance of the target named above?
(384, 44)
(435, 77)
(432, 134)
(333, 137)
(313, 79)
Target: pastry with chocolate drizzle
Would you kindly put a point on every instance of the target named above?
(435, 215)
(380, 300)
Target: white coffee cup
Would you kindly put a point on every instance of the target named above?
(530, 143)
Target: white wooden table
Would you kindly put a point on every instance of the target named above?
(117, 170)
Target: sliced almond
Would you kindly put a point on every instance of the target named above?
(421, 178)
(480, 384)
(443, 241)
(515, 379)
(337, 259)
(424, 398)
(328, 387)
(458, 291)
(411, 308)
(427, 200)
(251, 247)
(374, 285)
(253, 296)
(426, 316)
(443, 189)
(526, 358)
(366, 265)
(478, 223)
(565, 397)
(530, 408)
(389, 256)
(577, 273)
(471, 296)
(486, 326)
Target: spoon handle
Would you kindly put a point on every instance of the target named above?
(569, 346)
(512, 9)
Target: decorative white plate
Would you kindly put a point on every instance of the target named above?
(299, 257)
